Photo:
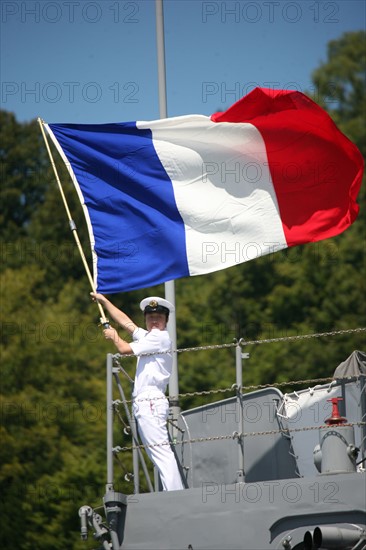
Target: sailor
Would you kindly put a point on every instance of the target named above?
(150, 406)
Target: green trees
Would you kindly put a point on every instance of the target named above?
(53, 353)
(23, 187)
(340, 84)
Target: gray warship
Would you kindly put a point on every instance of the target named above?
(261, 470)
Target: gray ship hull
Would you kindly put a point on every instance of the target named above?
(253, 516)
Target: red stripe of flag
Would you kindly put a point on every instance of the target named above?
(316, 170)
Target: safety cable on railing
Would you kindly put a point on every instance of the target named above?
(303, 336)
(234, 435)
(234, 387)
(242, 342)
(243, 389)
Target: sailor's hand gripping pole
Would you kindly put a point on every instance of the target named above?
(103, 320)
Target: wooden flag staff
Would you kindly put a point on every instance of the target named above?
(104, 321)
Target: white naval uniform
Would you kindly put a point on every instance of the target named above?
(150, 406)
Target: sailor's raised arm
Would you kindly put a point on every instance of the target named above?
(117, 315)
(121, 345)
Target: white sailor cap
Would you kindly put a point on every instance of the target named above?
(155, 304)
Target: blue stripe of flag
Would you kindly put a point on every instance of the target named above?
(139, 233)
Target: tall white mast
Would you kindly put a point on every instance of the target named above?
(169, 285)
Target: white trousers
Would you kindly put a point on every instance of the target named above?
(151, 410)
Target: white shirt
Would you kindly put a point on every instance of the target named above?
(152, 371)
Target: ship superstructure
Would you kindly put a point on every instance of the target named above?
(261, 470)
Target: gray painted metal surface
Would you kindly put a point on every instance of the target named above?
(284, 502)
(248, 516)
(265, 456)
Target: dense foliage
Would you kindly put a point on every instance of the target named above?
(53, 352)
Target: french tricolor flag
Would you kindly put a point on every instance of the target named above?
(194, 194)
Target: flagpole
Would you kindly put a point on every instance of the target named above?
(72, 224)
(169, 285)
